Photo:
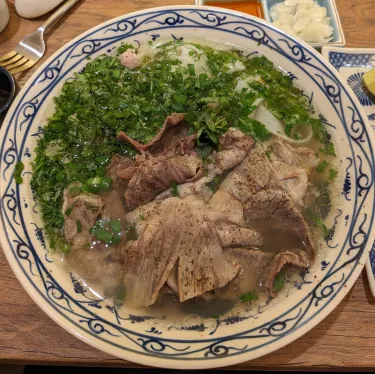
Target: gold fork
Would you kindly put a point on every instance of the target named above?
(31, 49)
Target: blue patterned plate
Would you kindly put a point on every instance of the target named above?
(352, 63)
(146, 337)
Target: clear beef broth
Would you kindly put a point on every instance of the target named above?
(276, 237)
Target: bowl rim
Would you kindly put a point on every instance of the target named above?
(157, 360)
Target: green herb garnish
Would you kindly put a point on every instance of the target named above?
(97, 184)
(70, 208)
(120, 295)
(107, 231)
(174, 190)
(249, 296)
(18, 171)
(317, 221)
(332, 174)
(279, 281)
(215, 184)
(322, 166)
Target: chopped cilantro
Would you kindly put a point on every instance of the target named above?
(279, 281)
(18, 171)
(70, 208)
(322, 166)
(191, 69)
(214, 185)
(317, 221)
(97, 184)
(248, 296)
(328, 149)
(120, 295)
(79, 226)
(174, 189)
(124, 47)
(332, 174)
(107, 231)
(75, 191)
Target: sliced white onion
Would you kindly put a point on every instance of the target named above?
(316, 32)
(301, 24)
(303, 18)
(318, 14)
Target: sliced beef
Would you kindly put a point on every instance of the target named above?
(297, 258)
(276, 204)
(231, 235)
(150, 259)
(171, 121)
(270, 190)
(80, 212)
(154, 174)
(297, 156)
(293, 180)
(175, 230)
(202, 266)
(252, 263)
(253, 174)
(120, 170)
(233, 147)
(113, 206)
(171, 137)
(223, 206)
(172, 281)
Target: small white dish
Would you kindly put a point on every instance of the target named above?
(338, 33)
(352, 63)
(332, 12)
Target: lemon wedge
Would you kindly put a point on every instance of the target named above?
(369, 80)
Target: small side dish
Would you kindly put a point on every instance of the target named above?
(303, 18)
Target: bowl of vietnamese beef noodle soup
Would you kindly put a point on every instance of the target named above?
(186, 187)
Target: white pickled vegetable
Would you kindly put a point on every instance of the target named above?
(316, 32)
(301, 24)
(303, 18)
(286, 19)
(318, 14)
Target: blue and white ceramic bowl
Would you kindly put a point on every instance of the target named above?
(155, 339)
